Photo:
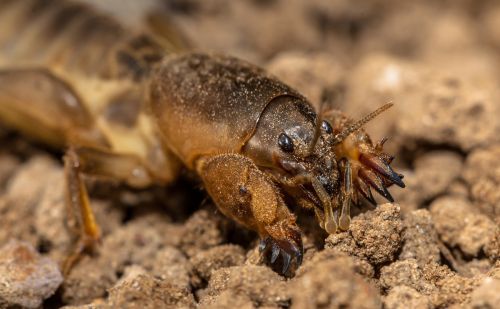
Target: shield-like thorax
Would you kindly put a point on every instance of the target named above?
(207, 104)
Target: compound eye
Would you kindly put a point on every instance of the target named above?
(285, 143)
(326, 127)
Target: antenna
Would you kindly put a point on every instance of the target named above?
(360, 123)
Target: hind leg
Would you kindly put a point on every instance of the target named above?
(81, 220)
(87, 161)
(45, 108)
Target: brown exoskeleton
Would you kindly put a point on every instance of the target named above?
(127, 108)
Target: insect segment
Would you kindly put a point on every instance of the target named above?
(135, 112)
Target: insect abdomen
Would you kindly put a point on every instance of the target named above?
(71, 36)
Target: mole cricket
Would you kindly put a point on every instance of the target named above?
(132, 107)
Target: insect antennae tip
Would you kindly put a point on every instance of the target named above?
(360, 123)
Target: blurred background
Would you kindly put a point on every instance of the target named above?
(258, 30)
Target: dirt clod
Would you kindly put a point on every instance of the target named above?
(451, 287)
(482, 173)
(202, 232)
(486, 295)
(21, 196)
(458, 223)
(358, 265)
(257, 283)
(420, 238)
(375, 235)
(89, 281)
(144, 291)
(171, 265)
(402, 296)
(206, 262)
(333, 284)
(407, 273)
(432, 110)
(429, 179)
(26, 278)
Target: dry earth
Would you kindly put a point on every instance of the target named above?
(437, 247)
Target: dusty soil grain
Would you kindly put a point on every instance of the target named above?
(437, 247)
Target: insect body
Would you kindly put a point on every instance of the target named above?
(138, 113)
